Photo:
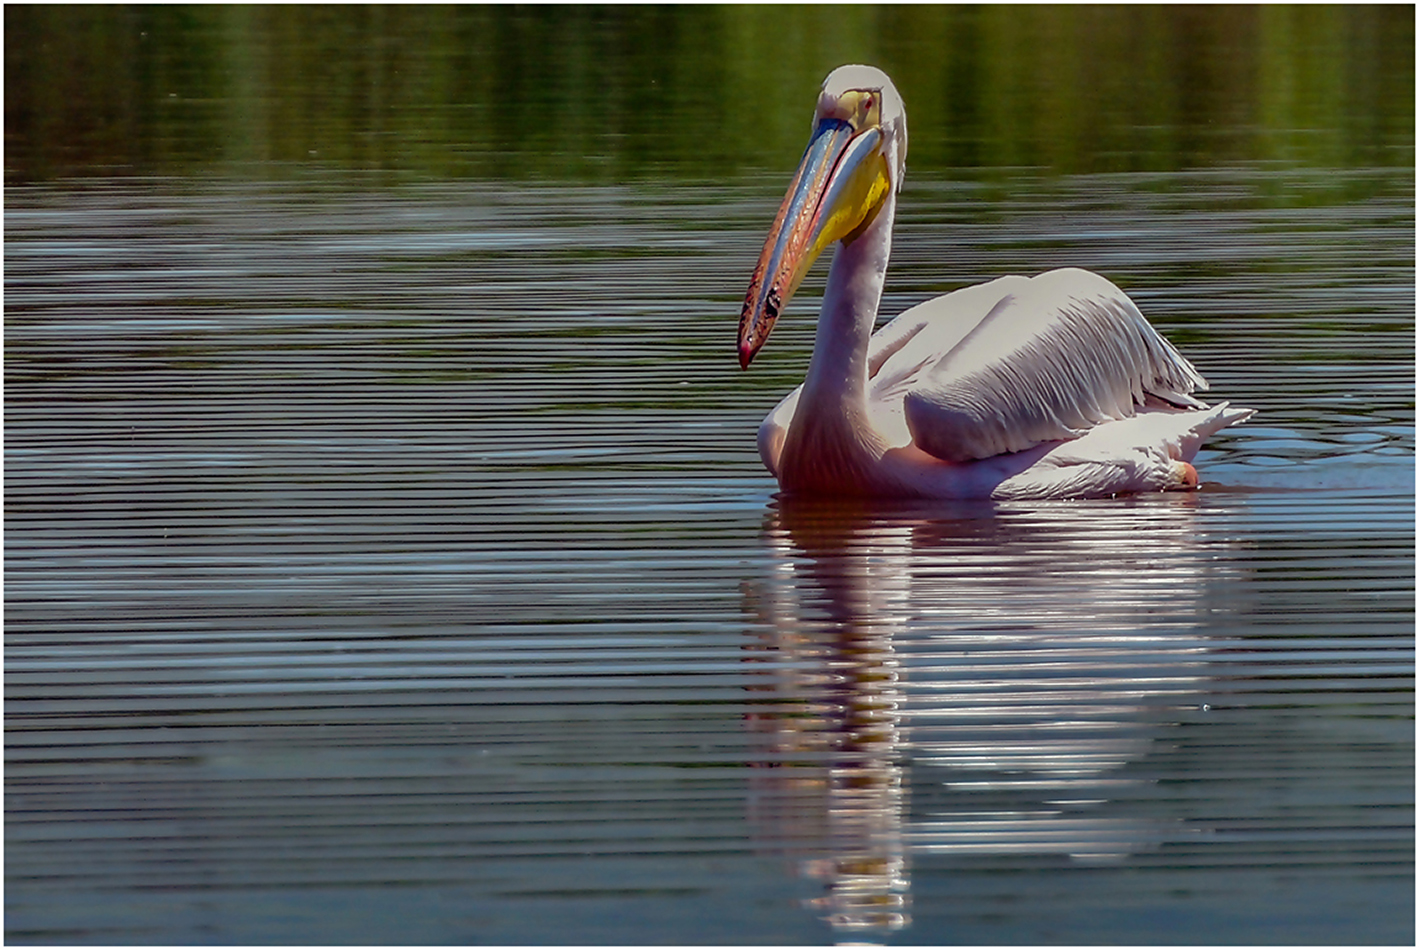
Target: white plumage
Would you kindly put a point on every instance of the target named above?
(1051, 386)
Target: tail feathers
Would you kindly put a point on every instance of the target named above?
(1206, 424)
(1222, 416)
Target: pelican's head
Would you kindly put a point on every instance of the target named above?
(854, 160)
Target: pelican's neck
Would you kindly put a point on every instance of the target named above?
(837, 374)
(831, 445)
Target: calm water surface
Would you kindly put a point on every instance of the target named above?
(396, 566)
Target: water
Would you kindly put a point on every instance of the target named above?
(388, 559)
(396, 566)
(607, 94)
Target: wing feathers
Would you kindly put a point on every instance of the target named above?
(1054, 356)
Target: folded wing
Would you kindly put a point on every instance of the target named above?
(1008, 365)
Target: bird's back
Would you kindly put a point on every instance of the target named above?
(1016, 362)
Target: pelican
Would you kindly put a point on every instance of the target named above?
(1052, 386)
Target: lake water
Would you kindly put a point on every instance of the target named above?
(396, 566)
(388, 559)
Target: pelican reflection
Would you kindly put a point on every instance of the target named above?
(1002, 664)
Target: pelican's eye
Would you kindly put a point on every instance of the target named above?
(868, 110)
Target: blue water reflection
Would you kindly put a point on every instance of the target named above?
(996, 685)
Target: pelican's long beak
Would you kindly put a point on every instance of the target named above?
(836, 193)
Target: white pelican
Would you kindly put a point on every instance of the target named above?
(1052, 386)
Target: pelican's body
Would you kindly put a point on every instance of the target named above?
(1046, 387)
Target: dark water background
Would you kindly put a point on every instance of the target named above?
(388, 559)
(606, 93)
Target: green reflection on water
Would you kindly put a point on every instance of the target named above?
(604, 93)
